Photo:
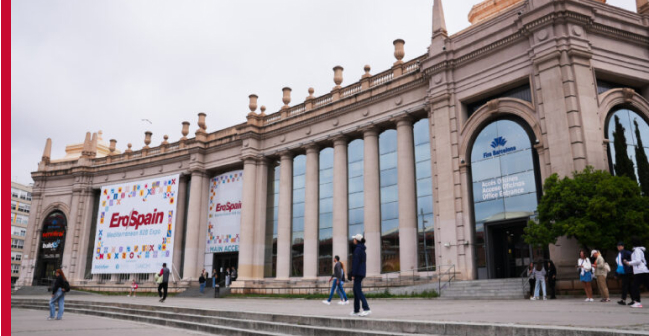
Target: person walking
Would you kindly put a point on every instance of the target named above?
(233, 274)
(341, 284)
(201, 282)
(214, 277)
(624, 272)
(601, 272)
(552, 279)
(59, 288)
(164, 284)
(228, 277)
(640, 271)
(337, 277)
(530, 278)
(539, 278)
(585, 274)
(357, 275)
(133, 288)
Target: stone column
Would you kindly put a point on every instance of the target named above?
(71, 231)
(311, 213)
(246, 237)
(179, 230)
(407, 195)
(284, 216)
(260, 219)
(340, 200)
(202, 224)
(372, 199)
(85, 238)
(193, 225)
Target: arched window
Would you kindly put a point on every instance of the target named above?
(504, 197)
(50, 252)
(297, 222)
(389, 201)
(628, 134)
(325, 211)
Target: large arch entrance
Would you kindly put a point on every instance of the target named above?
(505, 191)
(50, 250)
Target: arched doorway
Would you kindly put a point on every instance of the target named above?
(505, 192)
(50, 250)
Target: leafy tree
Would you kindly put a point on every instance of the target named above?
(623, 164)
(594, 207)
(642, 162)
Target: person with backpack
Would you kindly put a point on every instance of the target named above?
(163, 284)
(357, 275)
(59, 288)
(133, 288)
(601, 271)
(337, 282)
(624, 272)
(640, 271)
(552, 279)
(201, 282)
(539, 277)
(530, 278)
(585, 274)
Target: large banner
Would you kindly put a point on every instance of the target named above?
(224, 214)
(135, 226)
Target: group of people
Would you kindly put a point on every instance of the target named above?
(357, 274)
(540, 274)
(631, 269)
(230, 275)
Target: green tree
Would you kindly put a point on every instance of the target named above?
(642, 162)
(594, 207)
(623, 164)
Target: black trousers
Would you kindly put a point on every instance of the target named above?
(626, 285)
(552, 288)
(162, 290)
(639, 279)
(532, 285)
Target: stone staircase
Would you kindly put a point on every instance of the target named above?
(244, 323)
(493, 289)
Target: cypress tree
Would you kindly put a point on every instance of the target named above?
(623, 164)
(642, 162)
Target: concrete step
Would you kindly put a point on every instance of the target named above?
(499, 289)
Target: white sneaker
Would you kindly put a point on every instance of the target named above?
(347, 302)
(326, 302)
(587, 300)
(545, 298)
(636, 305)
(354, 314)
(591, 300)
(129, 295)
(366, 312)
(341, 303)
(533, 298)
(50, 319)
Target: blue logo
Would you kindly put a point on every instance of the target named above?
(116, 266)
(499, 141)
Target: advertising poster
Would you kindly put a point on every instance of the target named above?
(135, 226)
(224, 212)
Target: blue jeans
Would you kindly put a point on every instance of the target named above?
(359, 296)
(539, 283)
(214, 282)
(337, 287)
(202, 288)
(58, 298)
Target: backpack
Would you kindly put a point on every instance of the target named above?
(66, 286)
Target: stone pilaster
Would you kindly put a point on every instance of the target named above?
(407, 195)
(340, 200)
(372, 200)
(311, 223)
(284, 216)
(260, 219)
(193, 225)
(180, 224)
(246, 236)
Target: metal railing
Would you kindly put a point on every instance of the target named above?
(450, 274)
(409, 277)
(525, 280)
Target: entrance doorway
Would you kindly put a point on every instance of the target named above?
(50, 250)
(508, 253)
(222, 261)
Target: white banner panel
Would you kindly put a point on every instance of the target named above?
(135, 226)
(224, 213)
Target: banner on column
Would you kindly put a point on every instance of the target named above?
(135, 226)
(224, 213)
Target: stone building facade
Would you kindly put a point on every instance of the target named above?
(438, 160)
(21, 199)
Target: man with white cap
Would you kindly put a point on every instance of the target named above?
(357, 274)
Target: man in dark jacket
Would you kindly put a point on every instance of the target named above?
(357, 274)
(624, 272)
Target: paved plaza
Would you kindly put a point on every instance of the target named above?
(562, 312)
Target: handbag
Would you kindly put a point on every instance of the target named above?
(158, 279)
(607, 267)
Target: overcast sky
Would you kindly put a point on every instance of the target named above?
(80, 65)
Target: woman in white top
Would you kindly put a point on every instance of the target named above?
(585, 274)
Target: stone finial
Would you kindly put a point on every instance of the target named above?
(93, 144)
(311, 91)
(165, 142)
(286, 98)
(253, 103)
(147, 139)
(263, 110)
(439, 23)
(399, 51)
(112, 146)
(128, 150)
(185, 130)
(367, 69)
(86, 145)
(47, 152)
(201, 122)
(338, 76)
